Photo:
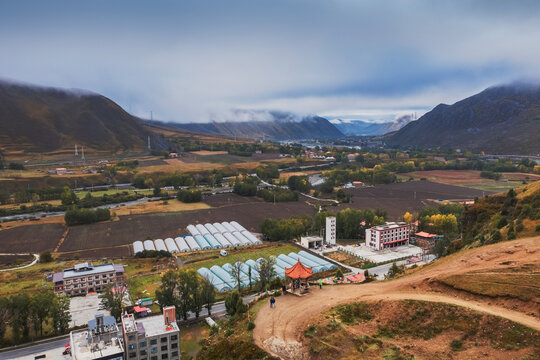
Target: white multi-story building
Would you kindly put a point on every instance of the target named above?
(100, 341)
(389, 235)
(84, 278)
(331, 230)
(153, 337)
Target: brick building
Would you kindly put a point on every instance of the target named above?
(389, 235)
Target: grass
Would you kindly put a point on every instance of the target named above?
(243, 255)
(190, 337)
(520, 283)
(387, 329)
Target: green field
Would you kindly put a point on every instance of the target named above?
(243, 255)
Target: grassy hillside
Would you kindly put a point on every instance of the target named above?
(503, 119)
(37, 119)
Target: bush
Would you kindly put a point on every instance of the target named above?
(189, 196)
(245, 189)
(490, 175)
(45, 257)
(537, 229)
(251, 325)
(278, 195)
(456, 345)
(153, 254)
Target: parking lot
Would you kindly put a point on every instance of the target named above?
(382, 256)
(84, 308)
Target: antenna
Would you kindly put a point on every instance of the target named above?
(82, 157)
(76, 152)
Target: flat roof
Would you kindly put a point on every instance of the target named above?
(389, 226)
(96, 269)
(82, 349)
(155, 325)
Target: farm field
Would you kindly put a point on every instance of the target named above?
(153, 207)
(8, 261)
(31, 238)
(472, 179)
(406, 196)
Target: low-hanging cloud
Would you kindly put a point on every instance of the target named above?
(195, 62)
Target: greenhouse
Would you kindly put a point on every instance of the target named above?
(193, 245)
(212, 241)
(203, 244)
(182, 245)
(171, 245)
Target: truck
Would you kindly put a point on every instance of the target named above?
(145, 302)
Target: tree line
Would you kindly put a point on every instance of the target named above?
(25, 313)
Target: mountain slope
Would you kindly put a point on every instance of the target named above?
(39, 119)
(365, 128)
(502, 119)
(277, 126)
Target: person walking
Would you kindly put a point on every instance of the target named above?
(272, 302)
(320, 283)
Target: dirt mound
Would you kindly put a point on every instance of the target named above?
(292, 315)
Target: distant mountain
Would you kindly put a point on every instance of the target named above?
(365, 128)
(500, 120)
(40, 119)
(270, 125)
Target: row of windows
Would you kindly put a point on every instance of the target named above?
(174, 355)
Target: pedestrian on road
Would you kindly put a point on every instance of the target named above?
(284, 289)
(320, 283)
(272, 302)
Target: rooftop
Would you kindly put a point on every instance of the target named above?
(87, 269)
(88, 346)
(390, 225)
(151, 325)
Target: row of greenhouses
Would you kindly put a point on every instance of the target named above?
(202, 237)
(221, 277)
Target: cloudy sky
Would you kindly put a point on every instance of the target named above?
(197, 60)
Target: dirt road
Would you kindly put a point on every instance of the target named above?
(279, 330)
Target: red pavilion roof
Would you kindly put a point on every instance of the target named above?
(298, 271)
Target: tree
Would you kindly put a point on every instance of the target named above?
(166, 293)
(408, 218)
(208, 295)
(45, 257)
(60, 314)
(112, 300)
(237, 275)
(234, 304)
(157, 190)
(189, 196)
(394, 270)
(68, 197)
(19, 314)
(40, 308)
(4, 316)
(187, 285)
(266, 271)
(249, 276)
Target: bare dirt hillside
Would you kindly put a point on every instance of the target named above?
(279, 330)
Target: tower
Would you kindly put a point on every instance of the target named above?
(149, 142)
(76, 152)
(82, 157)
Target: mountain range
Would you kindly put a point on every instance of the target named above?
(41, 119)
(271, 125)
(366, 128)
(500, 120)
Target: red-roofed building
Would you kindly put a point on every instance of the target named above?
(299, 274)
(425, 240)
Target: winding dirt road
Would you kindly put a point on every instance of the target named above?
(279, 330)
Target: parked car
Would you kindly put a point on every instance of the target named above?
(223, 253)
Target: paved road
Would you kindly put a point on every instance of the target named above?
(36, 259)
(54, 348)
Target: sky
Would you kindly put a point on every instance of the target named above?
(198, 61)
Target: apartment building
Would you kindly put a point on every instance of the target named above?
(84, 278)
(153, 337)
(389, 235)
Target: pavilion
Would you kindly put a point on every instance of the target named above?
(299, 275)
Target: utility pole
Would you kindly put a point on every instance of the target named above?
(82, 157)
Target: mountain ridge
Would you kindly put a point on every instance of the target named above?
(500, 119)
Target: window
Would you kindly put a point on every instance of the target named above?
(153, 350)
(174, 337)
(153, 342)
(163, 340)
(174, 353)
(132, 354)
(142, 344)
(164, 348)
(174, 345)
(153, 358)
(143, 352)
(131, 337)
(165, 356)
(132, 346)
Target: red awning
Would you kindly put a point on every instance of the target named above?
(139, 309)
(298, 271)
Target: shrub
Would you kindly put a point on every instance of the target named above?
(245, 189)
(251, 325)
(45, 257)
(76, 216)
(189, 196)
(456, 345)
(537, 229)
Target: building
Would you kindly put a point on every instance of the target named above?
(84, 278)
(311, 242)
(388, 236)
(101, 341)
(153, 337)
(425, 240)
(330, 234)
